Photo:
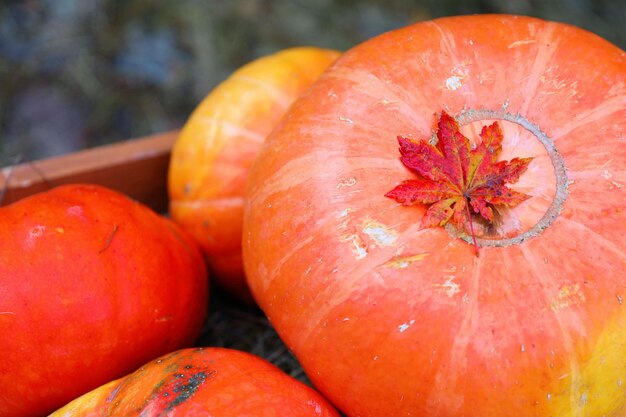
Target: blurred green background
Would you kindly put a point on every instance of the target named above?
(76, 74)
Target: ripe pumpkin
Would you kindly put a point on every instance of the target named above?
(216, 147)
(202, 382)
(390, 319)
(92, 285)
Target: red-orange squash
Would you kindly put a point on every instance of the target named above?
(202, 382)
(92, 285)
(217, 145)
(392, 320)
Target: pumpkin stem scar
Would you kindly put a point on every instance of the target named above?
(556, 159)
(107, 243)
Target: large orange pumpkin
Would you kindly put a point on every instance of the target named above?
(215, 149)
(202, 382)
(92, 285)
(392, 320)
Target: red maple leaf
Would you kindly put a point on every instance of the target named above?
(452, 177)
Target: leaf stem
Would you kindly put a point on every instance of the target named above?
(469, 218)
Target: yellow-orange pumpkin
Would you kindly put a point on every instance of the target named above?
(215, 149)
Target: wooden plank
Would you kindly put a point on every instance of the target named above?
(137, 168)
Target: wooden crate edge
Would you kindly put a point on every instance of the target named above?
(136, 167)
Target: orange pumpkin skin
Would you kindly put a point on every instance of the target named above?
(202, 382)
(391, 320)
(216, 147)
(92, 286)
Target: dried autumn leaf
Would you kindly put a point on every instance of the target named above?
(454, 178)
